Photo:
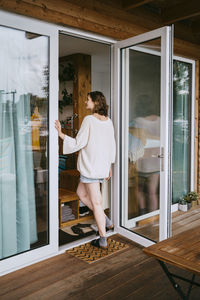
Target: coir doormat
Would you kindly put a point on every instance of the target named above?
(91, 254)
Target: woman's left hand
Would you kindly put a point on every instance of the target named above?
(109, 175)
(58, 126)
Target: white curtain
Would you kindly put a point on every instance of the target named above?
(17, 193)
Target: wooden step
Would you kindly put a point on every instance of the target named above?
(67, 195)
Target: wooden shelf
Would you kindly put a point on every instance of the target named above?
(67, 195)
(71, 198)
(73, 222)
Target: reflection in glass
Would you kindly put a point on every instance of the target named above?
(23, 141)
(181, 129)
(143, 97)
(142, 93)
(144, 128)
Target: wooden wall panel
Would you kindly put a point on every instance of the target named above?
(98, 17)
(82, 86)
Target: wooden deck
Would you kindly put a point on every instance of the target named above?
(127, 275)
(181, 221)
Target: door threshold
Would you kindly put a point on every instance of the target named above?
(68, 246)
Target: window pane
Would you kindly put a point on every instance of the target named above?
(181, 129)
(141, 138)
(24, 61)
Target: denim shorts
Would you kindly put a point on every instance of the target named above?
(90, 180)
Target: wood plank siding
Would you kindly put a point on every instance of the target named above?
(102, 17)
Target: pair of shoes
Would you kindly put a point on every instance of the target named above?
(77, 230)
(95, 243)
(83, 210)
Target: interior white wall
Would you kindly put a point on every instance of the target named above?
(101, 75)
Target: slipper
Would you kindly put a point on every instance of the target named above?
(83, 225)
(77, 230)
(95, 243)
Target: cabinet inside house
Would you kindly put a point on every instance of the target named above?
(79, 73)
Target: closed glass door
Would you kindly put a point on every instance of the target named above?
(144, 146)
(24, 104)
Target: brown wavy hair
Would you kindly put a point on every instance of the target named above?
(99, 100)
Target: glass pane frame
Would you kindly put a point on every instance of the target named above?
(165, 177)
(150, 153)
(41, 28)
(192, 176)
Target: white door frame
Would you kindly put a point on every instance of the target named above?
(33, 25)
(130, 223)
(164, 34)
(27, 24)
(24, 23)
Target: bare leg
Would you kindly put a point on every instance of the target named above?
(153, 182)
(94, 193)
(83, 196)
(141, 196)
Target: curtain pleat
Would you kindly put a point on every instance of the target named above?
(17, 193)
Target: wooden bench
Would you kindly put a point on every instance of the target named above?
(181, 251)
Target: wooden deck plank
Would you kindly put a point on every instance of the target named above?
(129, 274)
(181, 221)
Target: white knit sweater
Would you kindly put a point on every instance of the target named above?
(96, 143)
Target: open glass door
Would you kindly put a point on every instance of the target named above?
(142, 120)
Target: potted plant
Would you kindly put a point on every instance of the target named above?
(191, 199)
(188, 201)
(182, 205)
(194, 197)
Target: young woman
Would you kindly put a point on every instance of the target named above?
(96, 143)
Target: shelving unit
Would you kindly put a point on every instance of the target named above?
(71, 198)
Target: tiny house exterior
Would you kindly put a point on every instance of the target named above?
(149, 72)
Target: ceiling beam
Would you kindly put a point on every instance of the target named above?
(195, 27)
(183, 11)
(130, 4)
(187, 33)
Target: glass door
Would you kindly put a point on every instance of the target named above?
(143, 176)
(28, 190)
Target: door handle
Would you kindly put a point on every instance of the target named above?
(161, 156)
(157, 155)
